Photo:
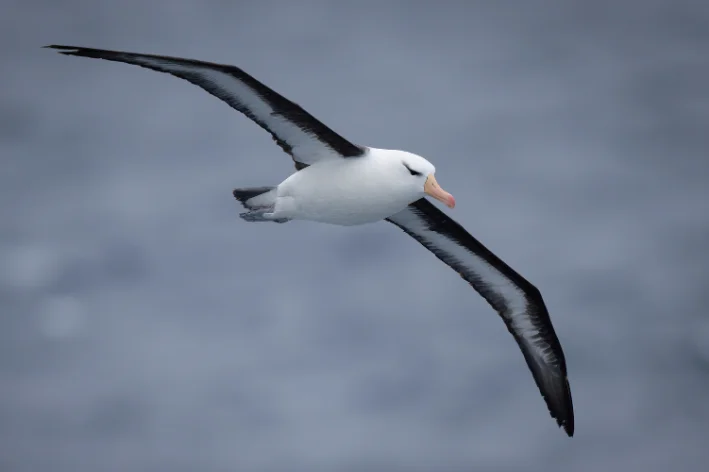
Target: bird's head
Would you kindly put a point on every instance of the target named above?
(420, 174)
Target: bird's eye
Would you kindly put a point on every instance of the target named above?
(411, 171)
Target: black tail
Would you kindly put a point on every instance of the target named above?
(243, 194)
(246, 194)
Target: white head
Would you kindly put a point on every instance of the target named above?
(417, 173)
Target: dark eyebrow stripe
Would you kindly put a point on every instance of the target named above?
(413, 172)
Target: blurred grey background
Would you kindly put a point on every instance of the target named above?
(145, 327)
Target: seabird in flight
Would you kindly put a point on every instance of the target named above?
(339, 182)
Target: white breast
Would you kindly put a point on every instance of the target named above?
(344, 192)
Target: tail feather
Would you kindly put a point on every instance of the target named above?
(255, 197)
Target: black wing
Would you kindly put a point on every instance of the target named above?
(295, 130)
(517, 301)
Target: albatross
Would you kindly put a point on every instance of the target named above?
(343, 183)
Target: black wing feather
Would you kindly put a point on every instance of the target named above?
(296, 131)
(517, 301)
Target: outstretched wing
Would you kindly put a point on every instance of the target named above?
(517, 301)
(295, 130)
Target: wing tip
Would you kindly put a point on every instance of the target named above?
(563, 411)
(567, 424)
(66, 50)
(569, 429)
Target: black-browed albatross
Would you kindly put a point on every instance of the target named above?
(342, 183)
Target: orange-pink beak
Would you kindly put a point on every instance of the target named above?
(432, 188)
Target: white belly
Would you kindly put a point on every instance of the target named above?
(344, 193)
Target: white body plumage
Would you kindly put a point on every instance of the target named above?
(353, 191)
